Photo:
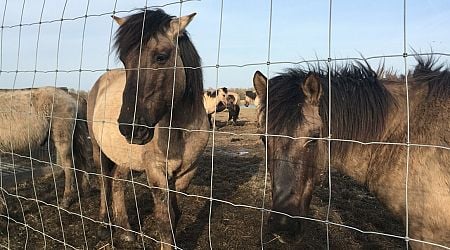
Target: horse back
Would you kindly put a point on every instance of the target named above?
(33, 113)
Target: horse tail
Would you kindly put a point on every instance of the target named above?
(82, 147)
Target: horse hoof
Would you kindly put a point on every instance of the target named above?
(127, 236)
(103, 232)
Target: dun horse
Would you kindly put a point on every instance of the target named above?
(252, 98)
(30, 117)
(211, 99)
(131, 114)
(366, 109)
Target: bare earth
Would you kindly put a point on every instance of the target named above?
(238, 178)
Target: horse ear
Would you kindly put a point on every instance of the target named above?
(260, 83)
(312, 89)
(178, 25)
(119, 20)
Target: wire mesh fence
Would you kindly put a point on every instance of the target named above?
(232, 197)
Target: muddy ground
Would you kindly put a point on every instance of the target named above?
(238, 177)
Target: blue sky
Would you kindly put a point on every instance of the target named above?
(299, 32)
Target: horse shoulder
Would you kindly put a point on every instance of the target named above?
(105, 113)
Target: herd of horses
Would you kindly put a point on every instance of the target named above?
(349, 118)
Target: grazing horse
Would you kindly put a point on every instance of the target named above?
(29, 117)
(364, 108)
(133, 110)
(233, 109)
(211, 99)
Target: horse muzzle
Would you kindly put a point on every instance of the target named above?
(141, 135)
(286, 229)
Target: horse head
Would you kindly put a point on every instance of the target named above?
(155, 78)
(293, 156)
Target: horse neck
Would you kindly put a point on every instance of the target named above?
(184, 115)
(353, 158)
(210, 103)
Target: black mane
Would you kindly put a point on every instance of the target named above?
(437, 78)
(359, 102)
(128, 38)
(250, 94)
(213, 93)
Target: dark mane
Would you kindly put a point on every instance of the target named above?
(284, 99)
(128, 38)
(250, 94)
(434, 75)
(213, 93)
(359, 102)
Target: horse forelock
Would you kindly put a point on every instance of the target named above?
(285, 98)
(250, 94)
(128, 38)
(130, 35)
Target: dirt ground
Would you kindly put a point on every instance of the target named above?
(238, 178)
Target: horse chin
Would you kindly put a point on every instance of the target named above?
(286, 230)
(143, 138)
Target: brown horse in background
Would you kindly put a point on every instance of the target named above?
(233, 109)
(29, 117)
(132, 112)
(366, 109)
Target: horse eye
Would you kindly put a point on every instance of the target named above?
(161, 58)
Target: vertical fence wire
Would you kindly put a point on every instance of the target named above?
(130, 148)
(2, 174)
(266, 170)
(11, 125)
(330, 69)
(219, 45)
(33, 178)
(75, 168)
(50, 132)
(408, 141)
(329, 62)
(103, 182)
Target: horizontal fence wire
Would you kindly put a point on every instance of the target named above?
(328, 61)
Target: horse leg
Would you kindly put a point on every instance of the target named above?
(65, 160)
(210, 122)
(118, 203)
(230, 115)
(85, 183)
(236, 112)
(181, 184)
(163, 213)
(104, 165)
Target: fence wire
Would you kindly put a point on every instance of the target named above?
(330, 61)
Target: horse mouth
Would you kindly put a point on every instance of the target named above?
(286, 230)
(141, 136)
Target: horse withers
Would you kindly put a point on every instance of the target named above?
(364, 109)
(30, 117)
(134, 111)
